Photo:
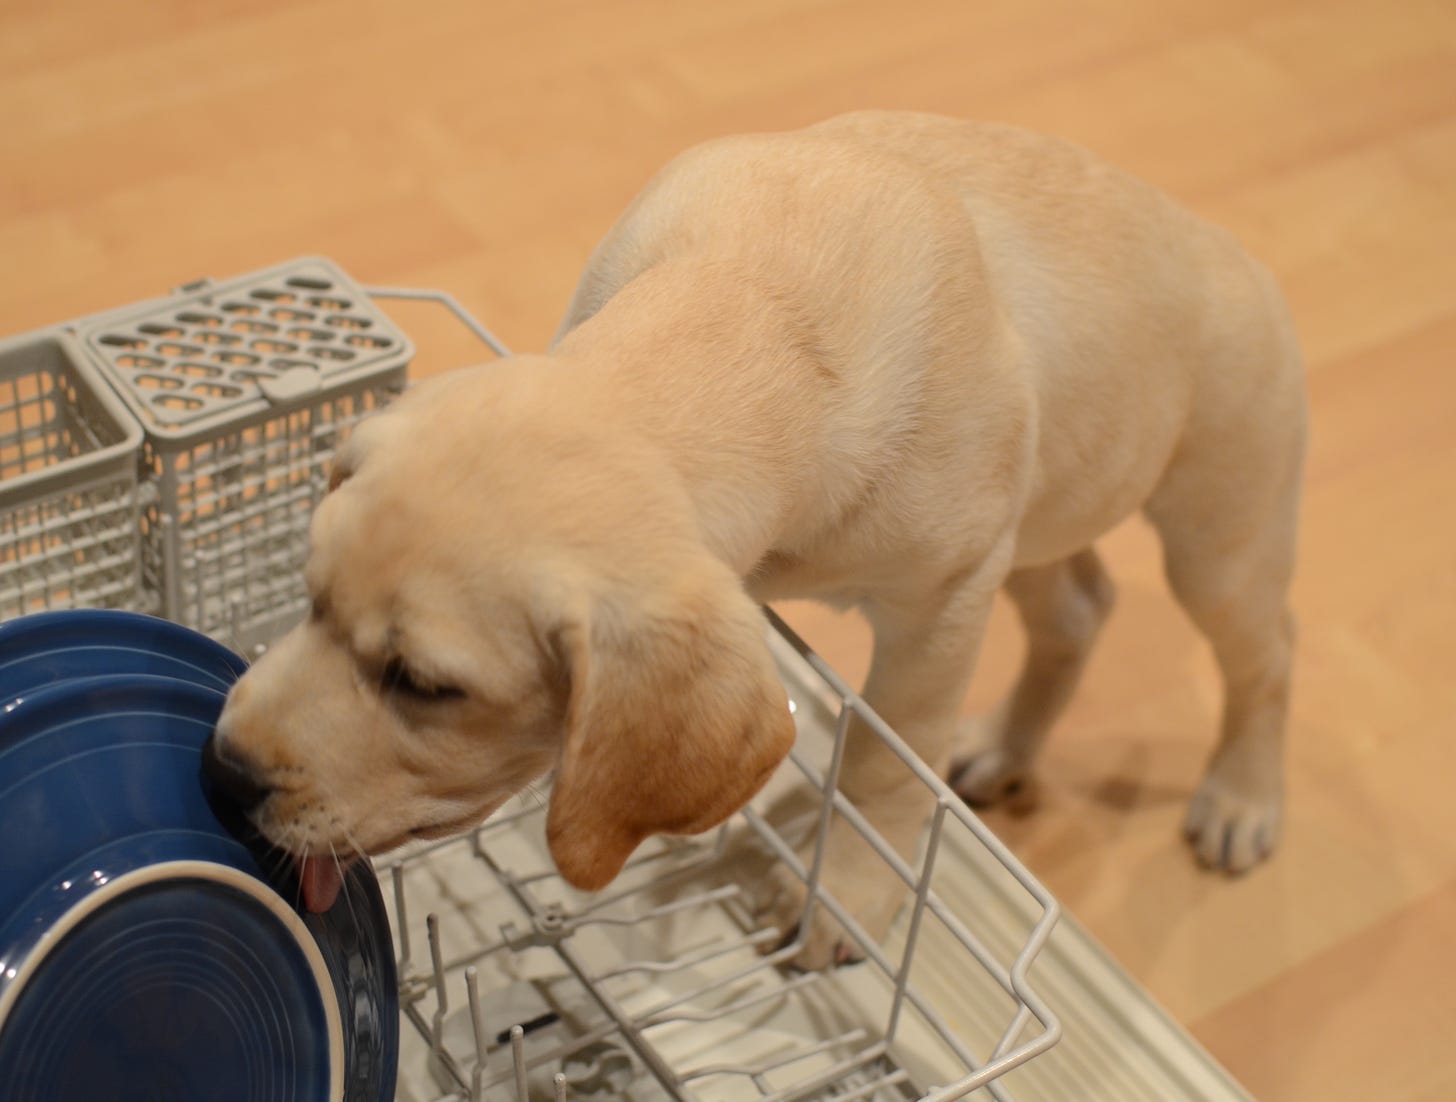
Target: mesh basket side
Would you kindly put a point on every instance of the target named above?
(67, 523)
(227, 537)
(70, 550)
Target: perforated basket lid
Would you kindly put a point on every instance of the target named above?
(219, 351)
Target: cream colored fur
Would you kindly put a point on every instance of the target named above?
(891, 361)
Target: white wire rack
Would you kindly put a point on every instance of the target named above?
(667, 986)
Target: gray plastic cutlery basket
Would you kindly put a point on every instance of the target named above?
(189, 497)
(68, 482)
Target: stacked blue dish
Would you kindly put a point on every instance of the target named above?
(151, 944)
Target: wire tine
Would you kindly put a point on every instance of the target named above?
(720, 841)
(401, 920)
(1013, 1031)
(559, 1053)
(912, 937)
(720, 947)
(757, 1071)
(997, 1090)
(477, 1023)
(450, 303)
(442, 998)
(760, 967)
(826, 816)
(869, 1090)
(777, 992)
(442, 1060)
(518, 1061)
(830, 1076)
(716, 895)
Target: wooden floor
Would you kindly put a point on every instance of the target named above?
(483, 147)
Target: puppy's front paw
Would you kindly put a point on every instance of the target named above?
(991, 777)
(824, 943)
(857, 878)
(1232, 830)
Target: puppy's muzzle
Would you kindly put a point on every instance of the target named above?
(236, 778)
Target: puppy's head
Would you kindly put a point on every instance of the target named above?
(499, 591)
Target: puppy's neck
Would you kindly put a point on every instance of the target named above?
(725, 375)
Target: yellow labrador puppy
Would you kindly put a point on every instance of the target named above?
(891, 361)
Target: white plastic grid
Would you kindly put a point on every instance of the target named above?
(219, 353)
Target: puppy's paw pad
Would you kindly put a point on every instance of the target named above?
(989, 778)
(1229, 830)
(777, 900)
(781, 902)
(825, 943)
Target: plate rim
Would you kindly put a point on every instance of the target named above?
(129, 627)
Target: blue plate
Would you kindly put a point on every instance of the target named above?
(56, 646)
(143, 923)
(178, 988)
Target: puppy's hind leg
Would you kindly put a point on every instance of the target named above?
(1062, 606)
(1229, 554)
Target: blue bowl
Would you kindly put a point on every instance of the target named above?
(144, 926)
(48, 647)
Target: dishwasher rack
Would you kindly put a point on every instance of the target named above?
(513, 986)
(665, 986)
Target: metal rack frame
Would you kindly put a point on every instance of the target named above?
(859, 1062)
(862, 1061)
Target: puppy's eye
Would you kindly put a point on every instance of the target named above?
(397, 678)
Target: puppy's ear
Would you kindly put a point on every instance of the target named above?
(676, 717)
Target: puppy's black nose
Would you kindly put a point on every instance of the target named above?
(236, 780)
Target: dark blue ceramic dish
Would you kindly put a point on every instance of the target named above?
(150, 945)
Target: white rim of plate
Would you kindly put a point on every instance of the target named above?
(197, 870)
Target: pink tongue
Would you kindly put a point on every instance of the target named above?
(322, 879)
